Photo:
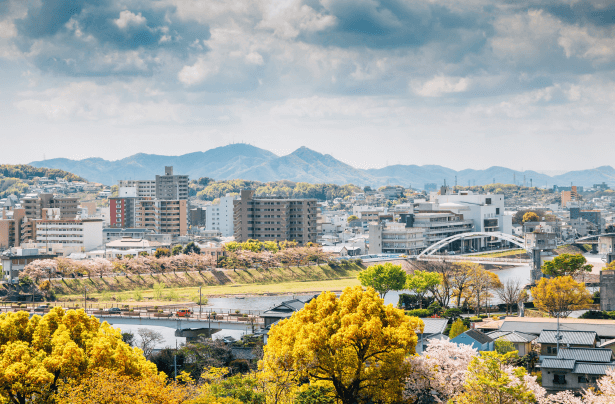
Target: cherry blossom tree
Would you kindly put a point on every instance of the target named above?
(39, 269)
(439, 374)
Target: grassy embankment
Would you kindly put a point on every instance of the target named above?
(518, 253)
(573, 249)
(184, 286)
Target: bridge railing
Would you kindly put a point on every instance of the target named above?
(460, 258)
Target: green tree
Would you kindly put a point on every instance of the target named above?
(383, 278)
(491, 380)
(177, 250)
(566, 264)
(503, 346)
(530, 217)
(457, 328)
(192, 247)
(422, 281)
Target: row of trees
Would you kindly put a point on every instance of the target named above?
(176, 260)
(465, 281)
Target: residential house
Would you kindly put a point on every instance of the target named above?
(475, 339)
(569, 339)
(575, 368)
(521, 341)
(433, 329)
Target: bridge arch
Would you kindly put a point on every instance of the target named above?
(502, 236)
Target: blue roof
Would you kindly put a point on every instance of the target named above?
(593, 368)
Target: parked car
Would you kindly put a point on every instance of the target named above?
(42, 308)
(113, 310)
(451, 253)
(183, 313)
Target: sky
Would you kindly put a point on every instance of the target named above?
(525, 84)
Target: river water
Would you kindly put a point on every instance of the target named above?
(262, 303)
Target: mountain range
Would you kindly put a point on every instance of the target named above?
(243, 161)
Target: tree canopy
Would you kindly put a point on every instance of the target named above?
(383, 278)
(560, 296)
(353, 344)
(530, 217)
(566, 264)
(36, 353)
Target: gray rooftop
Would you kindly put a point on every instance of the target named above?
(593, 368)
(604, 329)
(511, 336)
(586, 354)
(434, 325)
(555, 363)
(568, 337)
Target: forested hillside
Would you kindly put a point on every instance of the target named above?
(208, 189)
(15, 179)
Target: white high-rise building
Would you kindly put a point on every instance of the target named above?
(220, 216)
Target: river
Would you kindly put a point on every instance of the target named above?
(262, 303)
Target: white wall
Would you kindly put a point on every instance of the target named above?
(220, 216)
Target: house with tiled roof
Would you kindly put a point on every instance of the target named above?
(476, 340)
(433, 329)
(521, 341)
(575, 368)
(567, 339)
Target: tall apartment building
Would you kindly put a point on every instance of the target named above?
(162, 216)
(169, 186)
(122, 212)
(220, 216)
(34, 204)
(11, 227)
(569, 196)
(138, 188)
(275, 219)
(198, 216)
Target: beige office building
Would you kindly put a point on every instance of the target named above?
(162, 216)
(34, 205)
(275, 219)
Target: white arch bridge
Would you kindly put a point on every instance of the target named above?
(464, 236)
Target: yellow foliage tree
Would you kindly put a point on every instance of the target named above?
(105, 387)
(354, 345)
(37, 353)
(457, 328)
(560, 296)
(530, 217)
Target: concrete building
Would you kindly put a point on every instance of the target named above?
(275, 219)
(399, 238)
(569, 196)
(162, 216)
(606, 244)
(197, 217)
(438, 225)
(34, 204)
(170, 186)
(85, 234)
(138, 188)
(607, 290)
(593, 216)
(123, 211)
(15, 260)
(111, 234)
(11, 225)
(220, 216)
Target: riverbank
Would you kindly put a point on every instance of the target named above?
(184, 286)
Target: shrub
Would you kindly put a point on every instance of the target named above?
(594, 314)
(419, 313)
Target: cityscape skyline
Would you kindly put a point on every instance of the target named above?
(467, 84)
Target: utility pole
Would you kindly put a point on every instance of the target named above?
(85, 300)
(200, 307)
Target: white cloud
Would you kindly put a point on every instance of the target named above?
(255, 58)
(129, 18)
(197, 73)
(440, 85)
